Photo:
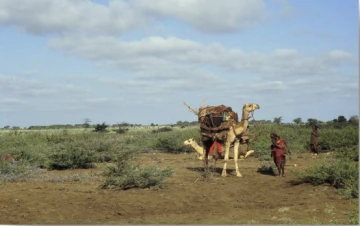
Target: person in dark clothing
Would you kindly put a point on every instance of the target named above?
(314, 140)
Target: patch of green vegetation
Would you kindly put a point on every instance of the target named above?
(125, 174)
(70, 157)
(341, 174)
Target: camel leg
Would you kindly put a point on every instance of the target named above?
(206, 166)
(226, 158)
(248, 153)
(236, 153)
(206, 162)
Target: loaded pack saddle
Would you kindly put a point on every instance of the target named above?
(215, 121)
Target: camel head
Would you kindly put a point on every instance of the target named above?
(250, 107)
(189, 141)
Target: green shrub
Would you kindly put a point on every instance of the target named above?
(168, 143)
(121, 130)
(101, 127)
(35, 157)
(70, 158)
(14, 171)
(125, 174)
(353, 217)
(349, 154)
(162, 129)
(339, 173)
(173, 141)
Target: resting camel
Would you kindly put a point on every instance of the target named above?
(200, 151)
(230, 138)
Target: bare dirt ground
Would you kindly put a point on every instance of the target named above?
(188, 198)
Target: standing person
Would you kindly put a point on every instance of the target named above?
(278, 152)
(314, 140)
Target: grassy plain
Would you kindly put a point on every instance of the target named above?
(56, 162)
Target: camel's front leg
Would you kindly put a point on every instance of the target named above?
(226, 158)
(236, 152)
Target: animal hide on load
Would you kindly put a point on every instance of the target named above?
(216, 120)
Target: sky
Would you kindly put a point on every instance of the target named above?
(137, 61)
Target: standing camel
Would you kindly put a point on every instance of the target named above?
(232, 136)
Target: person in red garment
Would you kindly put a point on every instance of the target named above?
(278, 152)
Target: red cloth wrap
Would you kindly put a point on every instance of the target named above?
(278, 154)
(217, 145)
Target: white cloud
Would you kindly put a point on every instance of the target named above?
(102, 100)
(337, 55)
(207, 15)
(286, 54)
(159, 52)
(61, 16)
(11, 101)
(85, 16)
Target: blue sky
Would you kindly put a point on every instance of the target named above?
(136, 61)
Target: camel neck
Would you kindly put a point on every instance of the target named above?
(196, 145)
(245, 116)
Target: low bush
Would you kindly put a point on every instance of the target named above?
(349, 154)
(101, 127)
(125, 174)
(14, 171)
(70, 157)
(340, 174)
(162, 129)
(173, 141)
(121, 130)
(168, 143)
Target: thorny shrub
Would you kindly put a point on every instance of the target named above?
(338, 173)
(125, 174)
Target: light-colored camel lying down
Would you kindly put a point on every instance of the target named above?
(243, 153)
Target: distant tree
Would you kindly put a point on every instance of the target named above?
(312, 122)
(124, 124)
(101, 127)
(298, 121)
(122, 127)
(277, 120)
(87, 122)
(7, 127)
(354, 120)
(341, 119)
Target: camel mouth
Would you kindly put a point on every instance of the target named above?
(256, 106)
